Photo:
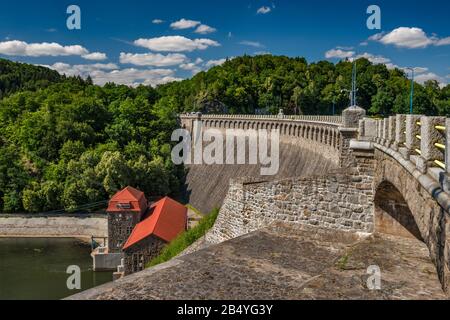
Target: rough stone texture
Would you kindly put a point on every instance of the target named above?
(306, 148)
(368, 129)
(432, 220)
(352, 115)
(286, 262)
(138, 255)
(412, 130)
(342, 200)
(392, 122)
(74, 226)
(254, 204)
(120, 226)
(400, 131)
(430, 136)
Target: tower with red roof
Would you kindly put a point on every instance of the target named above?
(125, 211)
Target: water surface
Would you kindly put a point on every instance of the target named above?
(36, 268)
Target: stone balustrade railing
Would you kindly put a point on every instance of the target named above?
(324, 130)
(423, 141)
(327, 119)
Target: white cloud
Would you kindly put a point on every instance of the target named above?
(339, 53)
(97, 56)
(157, 21)
(443, 42)
(152, 59)
(204, 29)
(411, 38)
(176, 44)
(373, 58)
(262, 53)
(263, 10)
(252, 44)
(22, 48)
(213, 63)
(104, 73)
(422, 78)
(82, 70)
(184, 24)
(193, 67)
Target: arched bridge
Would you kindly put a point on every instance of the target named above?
(360, 175)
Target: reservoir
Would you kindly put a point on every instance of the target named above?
(35, 268)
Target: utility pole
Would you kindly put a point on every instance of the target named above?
(354, 89)
(411, 100)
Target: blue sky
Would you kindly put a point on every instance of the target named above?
(154, 42)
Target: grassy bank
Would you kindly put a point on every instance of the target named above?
(186, 239)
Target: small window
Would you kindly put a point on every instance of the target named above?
(125, 206)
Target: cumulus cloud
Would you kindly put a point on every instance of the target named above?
(104, 73)
(264, 10)
(81, 69)
(192, 66)
(373, 58)
(205, 29)
(157, 21)
(422, 78)
(339, 53)
(252, 44)
(22, 48)
(152, 59)
(96, 56)
(184, 24)
(176, 44)
(411, 38)
(213, 63)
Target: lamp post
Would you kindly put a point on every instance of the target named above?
(411, 111)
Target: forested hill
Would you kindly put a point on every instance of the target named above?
(65, 142)
(73, 143)
(246, 83)
(19, 76)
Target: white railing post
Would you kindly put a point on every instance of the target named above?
(431, 142)
(445, 181)
(400, 129)
(411, 141)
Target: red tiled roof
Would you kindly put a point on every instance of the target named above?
(167, 221)
(131, 196)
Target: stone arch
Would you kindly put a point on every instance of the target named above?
(392, 214)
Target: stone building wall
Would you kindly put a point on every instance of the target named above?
(342, 200)
(144, 251)
(120, 226)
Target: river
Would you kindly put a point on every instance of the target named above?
(35, 268)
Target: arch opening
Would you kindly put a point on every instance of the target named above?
(392, 213)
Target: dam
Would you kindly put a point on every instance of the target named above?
(371, 193)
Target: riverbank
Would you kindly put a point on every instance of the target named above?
(80, 226)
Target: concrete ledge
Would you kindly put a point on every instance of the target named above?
(106, 261)
(53, 226)
(361, 145)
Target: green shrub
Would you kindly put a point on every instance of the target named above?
(186, 239)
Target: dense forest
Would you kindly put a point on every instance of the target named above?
(17, 76)
(266, 82)
(65, 142)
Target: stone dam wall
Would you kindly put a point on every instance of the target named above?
(69, 226)
(207, 185)
(340, 200)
